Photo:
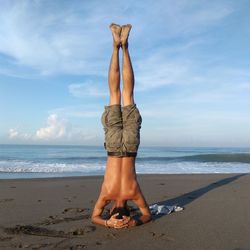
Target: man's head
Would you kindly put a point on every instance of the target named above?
(123, 211)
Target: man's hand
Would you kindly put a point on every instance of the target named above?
(132, 223)
(118, 223)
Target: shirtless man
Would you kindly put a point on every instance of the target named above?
(122, 139)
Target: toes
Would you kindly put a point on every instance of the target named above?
(114, 24)
(126, 27)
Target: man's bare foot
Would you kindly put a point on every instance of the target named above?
(116, 33)
(125, 33)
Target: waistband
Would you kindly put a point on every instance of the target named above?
(113, 106)
(122, 154)
(119, 107)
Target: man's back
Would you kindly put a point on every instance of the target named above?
(120, 179)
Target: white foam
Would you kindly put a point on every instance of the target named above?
(193, 167)
(20, 166)
(27, 166)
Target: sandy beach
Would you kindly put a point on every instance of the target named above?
(54, 213)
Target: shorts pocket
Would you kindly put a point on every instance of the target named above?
(132, 118)
(131, 139)
(138, 118)
(104, 119)
(113, 139)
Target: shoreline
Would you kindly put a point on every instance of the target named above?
(55, 213)
(45, 175)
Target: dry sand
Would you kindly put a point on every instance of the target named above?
(54, 213)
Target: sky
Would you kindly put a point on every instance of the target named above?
(190, 58)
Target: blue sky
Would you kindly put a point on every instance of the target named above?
(190, 58)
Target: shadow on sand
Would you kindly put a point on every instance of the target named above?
(187, 198)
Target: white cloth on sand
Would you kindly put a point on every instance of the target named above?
(164, 209)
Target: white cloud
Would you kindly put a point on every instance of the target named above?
(73, 38)
(56, 129)
(79, 111)
(57, 40)
(13, 133)
(88, 88)
(155, 71)
(160, 68)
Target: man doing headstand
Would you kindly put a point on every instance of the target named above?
(122, 138)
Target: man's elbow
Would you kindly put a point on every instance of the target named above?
(144, 219)
(93, 219)
(148, 217)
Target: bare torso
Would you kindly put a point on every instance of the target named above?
(120, 179)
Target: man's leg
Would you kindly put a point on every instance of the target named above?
(114, 68)
(127, 69)
(130, 114)
(112, 116)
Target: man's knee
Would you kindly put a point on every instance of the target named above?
(127, 97)
(115, 97)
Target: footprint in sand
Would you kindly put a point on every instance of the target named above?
(84, 230)
(41, 231)
(74, 209)
(78, 247)
(33, 230)
(161, 236)
(57, 220)
(2, 238)
(6, 200)
(69, 214)
(37, 246)
(68, 199)
(111, 235)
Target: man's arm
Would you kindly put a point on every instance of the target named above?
(144, 209)
(97, 212)
(112, 222)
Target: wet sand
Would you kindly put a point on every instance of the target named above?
(54, 213)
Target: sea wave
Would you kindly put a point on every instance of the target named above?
(147, 166)
(45, 167)
(232, 157)
(193, 168)
(237, 157)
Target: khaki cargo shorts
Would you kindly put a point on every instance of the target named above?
(122, 130)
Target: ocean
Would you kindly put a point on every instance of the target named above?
(40, 161)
